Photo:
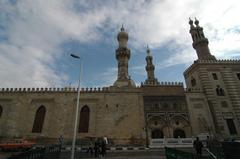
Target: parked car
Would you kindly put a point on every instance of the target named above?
(16, 145)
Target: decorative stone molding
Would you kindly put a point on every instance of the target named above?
(221, 61)
(192, 90)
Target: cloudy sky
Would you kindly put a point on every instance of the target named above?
(37, 37)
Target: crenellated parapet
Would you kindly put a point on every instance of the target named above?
(54, 89)
(146, 83)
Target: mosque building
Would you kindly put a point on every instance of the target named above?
(130, 114)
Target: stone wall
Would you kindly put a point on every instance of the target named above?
(226, 71)
(115, 113)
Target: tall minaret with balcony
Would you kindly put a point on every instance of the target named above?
(151, 80)
(123, 56)
(200, 42)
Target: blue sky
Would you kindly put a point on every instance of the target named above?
(37, 38)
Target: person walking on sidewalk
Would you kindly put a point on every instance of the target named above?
(103, 148)
(197, 144)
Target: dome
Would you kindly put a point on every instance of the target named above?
(132, 83)
(122, 34)
(196, 22)
(190, 22)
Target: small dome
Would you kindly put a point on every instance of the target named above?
(132, 83)
(190, 21)
(148, 51)
(196, 22)
(122, 34)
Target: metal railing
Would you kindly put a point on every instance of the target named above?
(172, 153)
(48, 152)
(171, 142)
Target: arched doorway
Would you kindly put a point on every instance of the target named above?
(39, 120)
(1, 110)
(179, 133)
(84, 120)
(157, 133)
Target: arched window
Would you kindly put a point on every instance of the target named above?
(1, 110)
(215, 77)
(220, 91)
(193, 82)
(39, 120)
(231, 126)
(84, 120)
(157, 133)
(238, 76)
(179, 133)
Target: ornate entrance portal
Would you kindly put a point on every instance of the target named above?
(179, 133)
(157, 134)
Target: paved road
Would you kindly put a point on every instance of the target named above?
(118, 154)
(128, 154)
(133, 154)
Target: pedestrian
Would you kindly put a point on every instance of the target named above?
(105, 140)
(60, 139)
(197, 144)
(208, 142)
(90, 147)
(103, 148)
(96, 149)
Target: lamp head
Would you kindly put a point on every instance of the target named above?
(75, 56)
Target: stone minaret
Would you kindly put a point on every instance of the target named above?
(123, 55)
(200, 43)
(151, 80)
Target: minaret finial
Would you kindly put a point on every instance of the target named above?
(196, 21)
(190, 22)
(122, 28)
(148, 50)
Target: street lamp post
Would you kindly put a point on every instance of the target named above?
(76, 115)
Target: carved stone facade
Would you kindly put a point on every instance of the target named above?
(214, 98)
(213, 90)
(127, 114)
(166, 114)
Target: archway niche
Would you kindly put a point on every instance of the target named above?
(1, 110)
(179, 133)
(157, 134)
(84, 120)
(39, 120)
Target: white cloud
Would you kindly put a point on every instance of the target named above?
(35, 31)
(108, 77)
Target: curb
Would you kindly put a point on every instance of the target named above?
(109, 148)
